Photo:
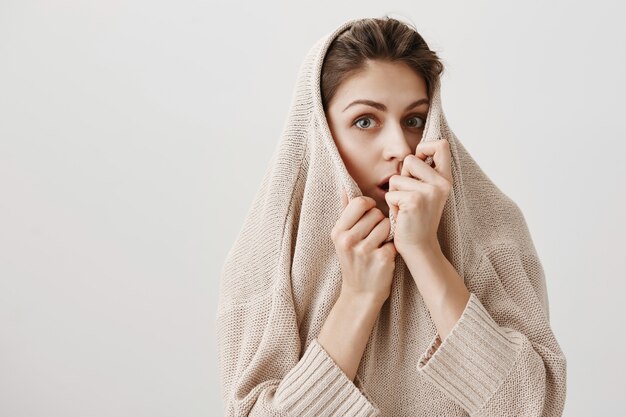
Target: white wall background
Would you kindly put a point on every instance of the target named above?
(133, 136)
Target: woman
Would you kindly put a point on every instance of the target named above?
(330, 308)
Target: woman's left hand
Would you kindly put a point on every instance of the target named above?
(418, 195)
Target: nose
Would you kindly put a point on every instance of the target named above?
(396, 144)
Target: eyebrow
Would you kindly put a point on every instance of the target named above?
(382, 107)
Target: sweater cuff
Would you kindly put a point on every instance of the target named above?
(472, 362)
(318, 386)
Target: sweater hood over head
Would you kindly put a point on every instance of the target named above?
(318, 131)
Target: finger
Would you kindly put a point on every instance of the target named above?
(378, 234)
(442, 157)
(344, 198)
(402, 183)
(366, 224)
(353, 212)
(394, 199)
(390, 246)
(416, 168)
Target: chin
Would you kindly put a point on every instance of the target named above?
(381, 203)
(384, 208)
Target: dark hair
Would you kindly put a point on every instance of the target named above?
(383, 38)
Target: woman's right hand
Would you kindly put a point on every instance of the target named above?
(366, 266)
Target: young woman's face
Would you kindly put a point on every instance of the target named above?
(373, 137)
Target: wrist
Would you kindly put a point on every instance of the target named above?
(424, 250)
(347, 328)
(362, 300)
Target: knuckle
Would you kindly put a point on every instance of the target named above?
(443, 187)
(345, 240)
(384, 255)
(360, 250)
(365, 201)
(414, 199)
(378, 213)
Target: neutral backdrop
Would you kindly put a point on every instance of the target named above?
(133, 136)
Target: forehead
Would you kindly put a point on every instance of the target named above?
(383, 81)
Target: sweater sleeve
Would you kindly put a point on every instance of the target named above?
(263, 373)
(504, 359)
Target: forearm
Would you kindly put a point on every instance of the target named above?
(440, 285)
(347, 329)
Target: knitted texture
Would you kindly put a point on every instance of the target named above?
(281, 278)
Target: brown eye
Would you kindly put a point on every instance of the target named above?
(420, 122)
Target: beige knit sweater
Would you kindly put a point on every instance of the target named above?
(281, 278)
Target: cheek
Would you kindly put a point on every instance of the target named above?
(357, 155)
(350, 149)
(360, 168)
(359, 158)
